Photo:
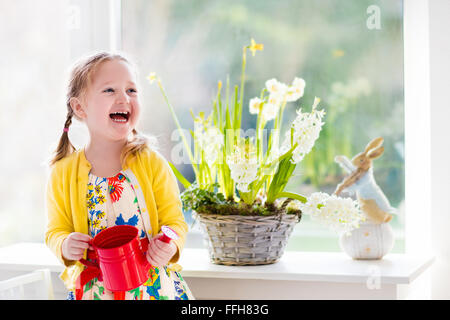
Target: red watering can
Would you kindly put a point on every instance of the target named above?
(121, 261)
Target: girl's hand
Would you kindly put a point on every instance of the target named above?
(74, 245)
(159, 253)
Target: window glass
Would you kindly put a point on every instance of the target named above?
(35, 53)
(39, 41)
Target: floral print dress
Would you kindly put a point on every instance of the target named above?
(113, 201)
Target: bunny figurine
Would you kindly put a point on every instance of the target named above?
(371, 198)
(374, 238)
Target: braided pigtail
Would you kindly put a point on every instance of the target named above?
(65, 147)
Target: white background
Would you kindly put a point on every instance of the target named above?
(439, 40)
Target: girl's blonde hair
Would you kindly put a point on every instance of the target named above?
(80, 77)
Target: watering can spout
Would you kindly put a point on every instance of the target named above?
(168, 234)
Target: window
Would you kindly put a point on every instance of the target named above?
(350, 54)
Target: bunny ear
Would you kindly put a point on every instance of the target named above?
(344, 163)
(375, 153)
(373, 144)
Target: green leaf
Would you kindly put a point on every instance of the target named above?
(183, 138)
(291, 195)
(179, 176)
(236, 118)
(241, 100)
(220, 115)
(192, 114)
(280, 179)
(227, 119)
(195, 197)
(215, 114)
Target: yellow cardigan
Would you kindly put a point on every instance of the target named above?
(66, 203)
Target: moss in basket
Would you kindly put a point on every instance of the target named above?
(213, 202)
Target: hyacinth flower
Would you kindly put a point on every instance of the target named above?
(243, 165)
(341, 215)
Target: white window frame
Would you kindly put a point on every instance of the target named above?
(417, 127)
(99, 26)
(115, 25)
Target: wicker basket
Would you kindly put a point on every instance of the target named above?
(246, 240)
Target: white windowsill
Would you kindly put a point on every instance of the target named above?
(310, 266)
(293, 267)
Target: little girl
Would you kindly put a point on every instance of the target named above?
(117, 179)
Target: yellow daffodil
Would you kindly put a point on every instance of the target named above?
(255, 46)
(338, 53)
(152, 77)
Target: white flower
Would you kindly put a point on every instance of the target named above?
(276, 87)
(208, 138)
(336, 213)
(268, 110)
(294, 205)
(306, 129)
(243, 165)
(272, 106)
(311, 207)
(296, 90)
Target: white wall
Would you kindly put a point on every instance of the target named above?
(439, 55)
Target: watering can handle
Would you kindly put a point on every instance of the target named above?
(86, 262)
(92, 271)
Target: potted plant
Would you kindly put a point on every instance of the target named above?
(239, 193)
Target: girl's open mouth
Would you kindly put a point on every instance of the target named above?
(120, 117)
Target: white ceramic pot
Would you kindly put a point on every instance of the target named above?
(369, 242)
